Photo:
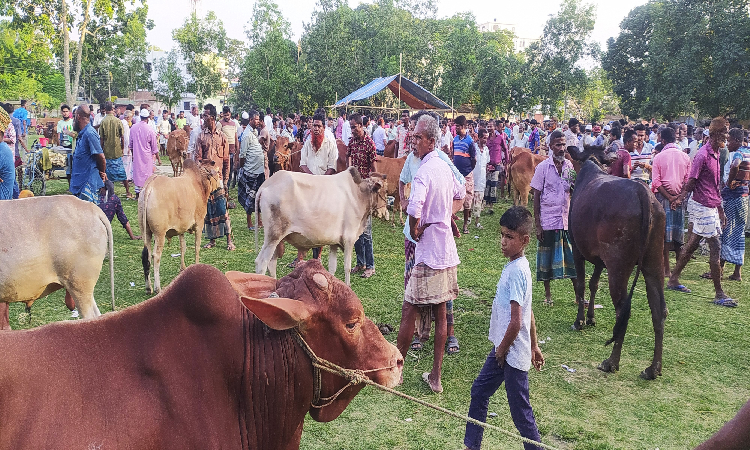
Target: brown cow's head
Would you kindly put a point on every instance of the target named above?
(331, 319)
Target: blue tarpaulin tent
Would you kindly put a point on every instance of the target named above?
(412, 94)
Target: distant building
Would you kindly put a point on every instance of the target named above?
(520, 43)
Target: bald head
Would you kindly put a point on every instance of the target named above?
(83, 110)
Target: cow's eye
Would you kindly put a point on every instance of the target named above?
(351, 325)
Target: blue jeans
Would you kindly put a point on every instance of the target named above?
(363, 247)
(516, 386)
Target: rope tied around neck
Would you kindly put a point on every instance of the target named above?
(358, 376)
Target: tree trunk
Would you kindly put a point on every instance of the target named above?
(70, 97)
(79, 56)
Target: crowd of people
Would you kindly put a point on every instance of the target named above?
(457, 169)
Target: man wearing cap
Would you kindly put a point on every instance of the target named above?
(7, 160)
(89, 167)
(145, 151)
(588, 138)
(596, 131)
(603, 139)
(181, 121)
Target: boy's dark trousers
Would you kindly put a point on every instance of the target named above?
(516, 386)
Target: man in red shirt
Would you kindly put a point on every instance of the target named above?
(361, 154)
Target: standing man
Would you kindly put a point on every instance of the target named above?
(194, 122)
(446, 140)
(479, 174)
(705, 211)
(670, 171)
(317, 157)
(7, 166)
(734, 196)
(346, 129)
(252, 168)
(571, 134)
(268, 119)
(403, 129)
(164, 128)
(212, 145)
(640, 153)
(534, 141)
(181, 121)
(229, 129)
(464, 158)
(144, 149)
(23, 115)
(551, 185)
(682, 140)
(112, 137)
(378, 136)
(434, 278)
(361, 154)
(496, 175)
(66, 135)
(89, 167)
(340, 126)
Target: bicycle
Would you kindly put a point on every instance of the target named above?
(33, 177)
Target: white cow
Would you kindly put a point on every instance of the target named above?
(51, 243)
(310, 211)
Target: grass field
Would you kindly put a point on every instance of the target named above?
(706, 356)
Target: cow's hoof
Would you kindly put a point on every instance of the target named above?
(591, 321)
(650, 373)
(607, 366)
(577, 325)
(149, 291)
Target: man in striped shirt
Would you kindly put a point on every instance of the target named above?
(640, 157)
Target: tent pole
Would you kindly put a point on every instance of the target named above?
(399, 79)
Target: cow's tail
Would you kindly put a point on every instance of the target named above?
(111, 242)
(255, 223)
(621, 322)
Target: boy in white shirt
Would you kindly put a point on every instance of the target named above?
(513, 336)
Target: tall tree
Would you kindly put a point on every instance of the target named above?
(556, 58)
(170, 80)
(61, 19)
(493, 80)
(25, 69)
(202, 44)
(268, 75)
(682, 57)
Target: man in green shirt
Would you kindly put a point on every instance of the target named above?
(112, 139)
(181, 120)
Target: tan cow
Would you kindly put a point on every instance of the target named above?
(177, 149)
(520, 174)
(310, 211)
(170, 207)
(391, 168)
(62, 246)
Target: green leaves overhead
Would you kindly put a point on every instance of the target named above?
(682, 57)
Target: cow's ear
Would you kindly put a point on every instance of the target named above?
(278, 313)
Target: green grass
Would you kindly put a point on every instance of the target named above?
(706, 357)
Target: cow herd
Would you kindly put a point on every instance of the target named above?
(219, 348)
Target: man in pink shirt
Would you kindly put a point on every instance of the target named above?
(670, 171)
(705, 211)
(496, 175)
(434, 278)
(551, 185)
(145, 150)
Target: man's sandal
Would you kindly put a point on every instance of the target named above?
(451, 346)
(726, 301)
(416, 344)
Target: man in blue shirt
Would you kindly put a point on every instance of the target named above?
(23, 115)
(89, 167)
(464, 158)
(7, 160)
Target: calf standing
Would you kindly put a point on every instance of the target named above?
(170, 207)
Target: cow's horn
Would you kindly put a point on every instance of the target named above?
(321, 280)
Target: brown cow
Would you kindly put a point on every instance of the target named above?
(196, 367)
(170, 207)
(391, 150)
(177, 149)
(520, 174)
(391, 168)
(341, 163)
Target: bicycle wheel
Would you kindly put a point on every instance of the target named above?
(38, 185)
